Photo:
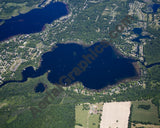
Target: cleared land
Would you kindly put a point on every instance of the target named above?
(115, 115)
(16, 64)
(88, 115)
(145, 116)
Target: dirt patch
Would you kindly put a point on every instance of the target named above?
(115, 115)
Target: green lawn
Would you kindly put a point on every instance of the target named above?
(81, 116)
(94, 121)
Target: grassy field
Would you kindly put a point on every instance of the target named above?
(88, 118)
(145, 116)
(81, 116)
(92, 121)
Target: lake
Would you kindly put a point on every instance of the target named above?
(98, 70)
(103, 69)
(33, 21)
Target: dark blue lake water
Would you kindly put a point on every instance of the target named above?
(33, 21)
(64, 62)
(155, 7)
(69, 63)
(138, 31)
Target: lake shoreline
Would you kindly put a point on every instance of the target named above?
(135, 65)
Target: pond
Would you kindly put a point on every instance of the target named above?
(39, 88)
